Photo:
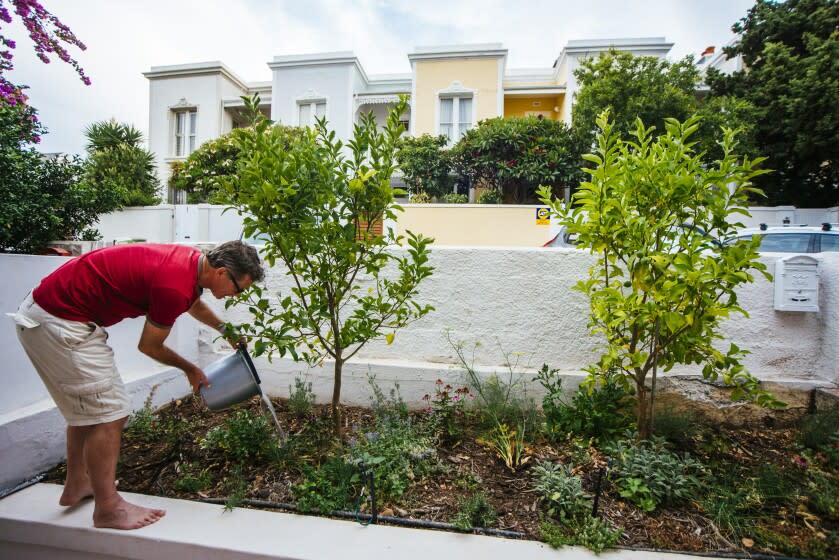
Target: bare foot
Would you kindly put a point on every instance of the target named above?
(123, 515)
(76, 492)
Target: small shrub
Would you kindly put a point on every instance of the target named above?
(775, 485)
(454, 198)
(245, 435)
(508, 444)
(420, 198)
(301, 399)
(648, 475)
(327, 488)
(386, 408)
(144, 425)
(447, 410)
(677, 427)
(193, 478)
(560, 490)
(823, 495)
(590, 532)
(812, 547)
(599, 411)
(475, 511)
(500, 401)
(396, 448)
(236, 487)
(820, 432)
(732, 501)
(490, 196)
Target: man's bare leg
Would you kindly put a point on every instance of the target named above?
(101, 452)
(77, 485)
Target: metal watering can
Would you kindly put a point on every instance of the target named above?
(233, 379)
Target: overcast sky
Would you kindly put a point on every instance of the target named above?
(125, 38)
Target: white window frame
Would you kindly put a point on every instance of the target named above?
(184, 137)
(313, 99)
(456, 91)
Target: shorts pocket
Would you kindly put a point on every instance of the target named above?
(90, 398)
(76, 333)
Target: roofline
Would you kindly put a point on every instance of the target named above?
(318, 59)
(475, 50)
(197, 69)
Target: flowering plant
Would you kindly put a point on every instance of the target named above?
(47, 33)
(447, 409)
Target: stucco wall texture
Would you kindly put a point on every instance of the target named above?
(519, 303)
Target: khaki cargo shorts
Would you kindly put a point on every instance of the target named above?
(75, 363)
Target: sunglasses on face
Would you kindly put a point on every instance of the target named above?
(238, 288)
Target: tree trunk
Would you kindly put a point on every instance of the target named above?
(336, 398)
(643, 417)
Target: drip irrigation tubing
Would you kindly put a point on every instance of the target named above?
(424, 524)
(389, 519)
(711, 554)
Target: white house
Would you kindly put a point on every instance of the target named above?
(451, 88)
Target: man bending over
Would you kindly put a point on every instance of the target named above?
(61, 325)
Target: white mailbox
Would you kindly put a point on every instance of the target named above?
(797, 284)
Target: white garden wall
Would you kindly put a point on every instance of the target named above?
(520, 302)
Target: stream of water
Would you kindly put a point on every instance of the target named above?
(267, 402)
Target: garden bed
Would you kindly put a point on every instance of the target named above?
(756, 489)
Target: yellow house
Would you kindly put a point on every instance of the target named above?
(454, 87)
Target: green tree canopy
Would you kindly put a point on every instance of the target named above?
(117, 161)
(425, 164)
(515, 155)
(791, 54)
(653, 89)
(632, 87)
(214, 163)
(661, 286)
(316, 202)
(41, 199)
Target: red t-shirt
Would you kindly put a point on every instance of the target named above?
(108, 285)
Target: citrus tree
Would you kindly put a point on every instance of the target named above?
(316, 202)
(661, 285)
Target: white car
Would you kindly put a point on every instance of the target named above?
(793, 239)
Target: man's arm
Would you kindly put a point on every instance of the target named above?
(202, 312)
(151, 344)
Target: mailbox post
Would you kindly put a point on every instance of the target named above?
(797, 284)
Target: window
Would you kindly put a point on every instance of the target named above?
(785, 243)
(185, 122)
(830, 243)
(309, 110)
(455, 117)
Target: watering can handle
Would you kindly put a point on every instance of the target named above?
(244, 351)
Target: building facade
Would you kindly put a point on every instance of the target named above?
(450, 89)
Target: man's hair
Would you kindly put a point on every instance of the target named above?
(238, 258)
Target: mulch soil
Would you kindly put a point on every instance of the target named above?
(153, 468)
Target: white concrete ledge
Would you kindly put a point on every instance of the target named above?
(33, 526)
(32, 438)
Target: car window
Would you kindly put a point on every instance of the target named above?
(785, 242)
(830, 243)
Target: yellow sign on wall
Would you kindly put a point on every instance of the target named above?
(543, 217)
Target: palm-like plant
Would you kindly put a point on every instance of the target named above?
(117, 160)
(109, 134)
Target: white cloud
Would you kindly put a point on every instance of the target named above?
(126, 38)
